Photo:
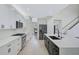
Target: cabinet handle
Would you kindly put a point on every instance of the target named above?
(9, 50)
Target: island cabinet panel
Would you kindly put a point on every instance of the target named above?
(69, 51)
(51, 47)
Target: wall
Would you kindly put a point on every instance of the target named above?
(8, 16)
(28, 26)
(74, 32)
(42, 21)
(67, 14)
(50, 26)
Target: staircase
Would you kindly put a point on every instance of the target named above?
(71, 24)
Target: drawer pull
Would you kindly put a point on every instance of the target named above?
(9, 50)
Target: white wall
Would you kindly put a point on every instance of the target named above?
(66, 15)
(42, 21)
(74, 32)
(28, 28)
(8, 16)
(34, 21)
(50, 24)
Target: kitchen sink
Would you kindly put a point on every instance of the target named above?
(54, 37)
(18, 34)
(77, 37)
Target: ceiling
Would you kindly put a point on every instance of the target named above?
(41, 10)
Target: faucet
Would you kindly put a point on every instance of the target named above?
(58, 33)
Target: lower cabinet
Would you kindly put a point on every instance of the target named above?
(12, 48)
(18, 45)
(7, 49)
(46, 41)
(51, 47)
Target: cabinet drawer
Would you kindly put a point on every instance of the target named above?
(11, 47)
(4, 50)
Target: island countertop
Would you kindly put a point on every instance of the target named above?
(66, 42)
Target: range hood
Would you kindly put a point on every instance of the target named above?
(71, 25)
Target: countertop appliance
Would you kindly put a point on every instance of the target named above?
(23, 37)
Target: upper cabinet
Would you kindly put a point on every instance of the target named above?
(9, 17)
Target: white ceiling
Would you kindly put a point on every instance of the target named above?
(41, 10)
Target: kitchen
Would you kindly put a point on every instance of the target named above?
(49, 29)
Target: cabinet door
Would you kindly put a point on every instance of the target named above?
(46, 42)
(6, 49)
(53, 49)
(12, 48)
(50, 48)
(18, 45)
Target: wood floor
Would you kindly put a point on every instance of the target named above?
(34, 47)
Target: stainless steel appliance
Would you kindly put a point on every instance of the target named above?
(42, 30)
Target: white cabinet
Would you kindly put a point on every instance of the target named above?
(7, 49)
(4, 50)
(17, 45)
(11, 48)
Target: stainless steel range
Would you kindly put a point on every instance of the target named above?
(23, 38)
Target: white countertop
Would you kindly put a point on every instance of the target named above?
(66, 42)
(7, 40)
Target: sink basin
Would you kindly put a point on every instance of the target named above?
(18, 34)
(54, 37)
(77, 37)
